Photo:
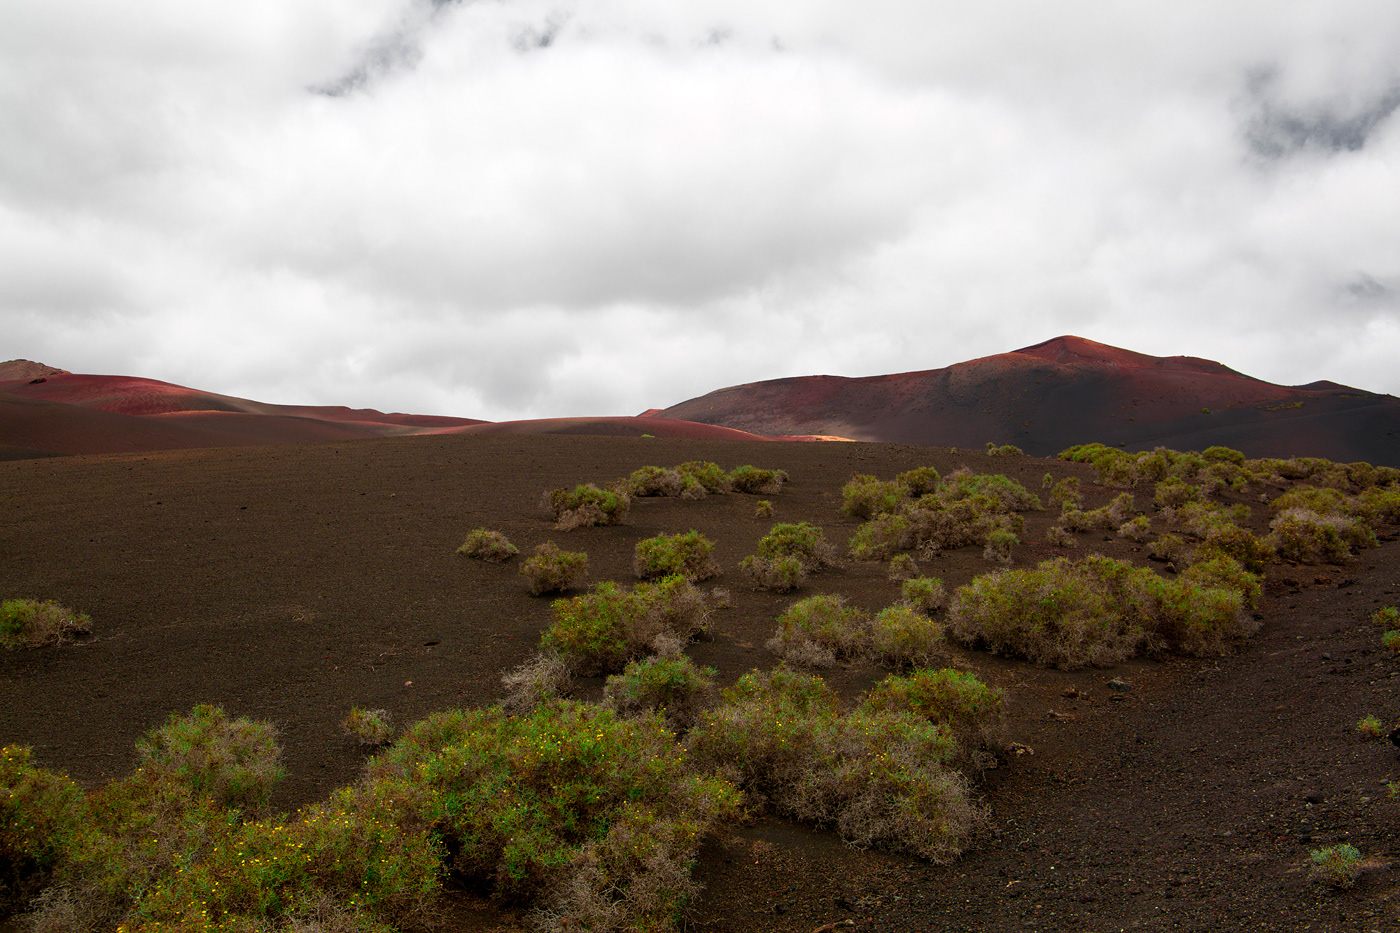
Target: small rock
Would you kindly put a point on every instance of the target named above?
(1119, 684)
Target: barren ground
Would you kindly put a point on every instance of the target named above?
(291, 583)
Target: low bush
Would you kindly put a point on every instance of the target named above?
(1167, 547)
(1003, 450)
(1222, 571)
(1338, 866)
(882, 537)
(1386, 617)
(231, 762)
(602, 630)
(973, 712)
(819, 631)
(903, 637)
(592, 818)
(1137, 530)
(1174, 492)
(902, 567)
(1232, 541)
(1006, 494)
(752, 479)
(1097, 611)
(923, 593)
(764, 509)
(865, 496)
(1311, 538)
(711, 477)
(586, 505)
(367, 726)
(802, 540)
(1370, 728)
(1391, 640)
(687, 554)
(484, 544)
(1108, 517)
(781, 574)
(1065, 494)
(552, 570)
(675, 687)
(880, 778)
(32, 623)
(1000, 541)
(1060, 536)
(42, 815)
(659, 481)
(920, 481)
(541, 679)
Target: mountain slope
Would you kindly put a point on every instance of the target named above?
(1065, 391)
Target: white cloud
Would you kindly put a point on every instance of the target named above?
(529, 208)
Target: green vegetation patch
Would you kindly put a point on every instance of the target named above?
(688, 554)
(33, 623)
(602, 630)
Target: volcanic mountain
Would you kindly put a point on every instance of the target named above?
(1066, 391)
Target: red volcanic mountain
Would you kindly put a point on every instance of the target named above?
(1068, 391)
(46, 412)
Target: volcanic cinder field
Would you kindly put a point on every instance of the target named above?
(291, 578)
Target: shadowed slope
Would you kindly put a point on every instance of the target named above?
(1067, 391)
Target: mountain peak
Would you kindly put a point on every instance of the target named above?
(12, 370)
(1071, 349)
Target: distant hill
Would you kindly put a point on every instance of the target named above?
(46, 411)
(1065, 391)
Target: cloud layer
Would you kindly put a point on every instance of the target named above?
(525, 208)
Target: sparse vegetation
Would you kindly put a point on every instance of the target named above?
(485, 544)
(752, 479)
(923, 593)
(787, 554)
(1003, 450)
(32, 623)
(586, 505)
(879, 777)
(602, 630)
(672, 686)
(552, 570)
(819, 631)
(1311, 538)
(763, 509)
(709, 475)
(367, 726)
(1096, 611)
(902, 637)
(972, 711)
(1370, 727)
(687, 554)
(1338, 866)
(902, 567)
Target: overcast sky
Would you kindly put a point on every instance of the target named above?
(525, 208)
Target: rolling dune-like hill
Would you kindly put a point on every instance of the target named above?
(1066, 391)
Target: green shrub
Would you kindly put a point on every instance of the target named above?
(586, 505)
(367, 726)
(1370, 727)
(1109, 517)
(1386, 616)
(764, 509)
(1060, 536)
(484, 544)
(1310, 538)
(902, 567)
(552, 570)
(687, 554)
(1222, 455)
(1000, 541)
(781, 574)
(1167, 547)
(41, 816)
(1312, 498)
(233, 762)
(1391, 640)
(1065, 494)
(1097, 611)
(805, 541)
(674, 687)
(881, 537)
(1378, 504)
(972, 711)
(902, 637)
(1006, 494)
(1338, 866)
(1137, 530)
(819, 631)
(591, 818)
(1222, 571)
(923, 593)
(602, 630)
(657, 481)
(1004, 450)
(31, 623)
(865, 496)
(1174, 492)
(1232, 541)
(752, 479)
(709, 475)
(879, 777)
(919, 481)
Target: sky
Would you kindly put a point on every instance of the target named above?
(509, 209)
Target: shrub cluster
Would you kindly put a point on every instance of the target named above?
(1003, 450)
(552, 570)
(600, 631)
(879, 776)
(1096, 611)
(586, 505)
(1312, 538)
(675, 687)
(821, 630)
(484, 544)
(787, 554)
(32, 623)
(687, 554)
(659, 481)
(368, 726)
(963, 509)
(752, 479)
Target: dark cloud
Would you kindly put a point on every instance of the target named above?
(1278, 127)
